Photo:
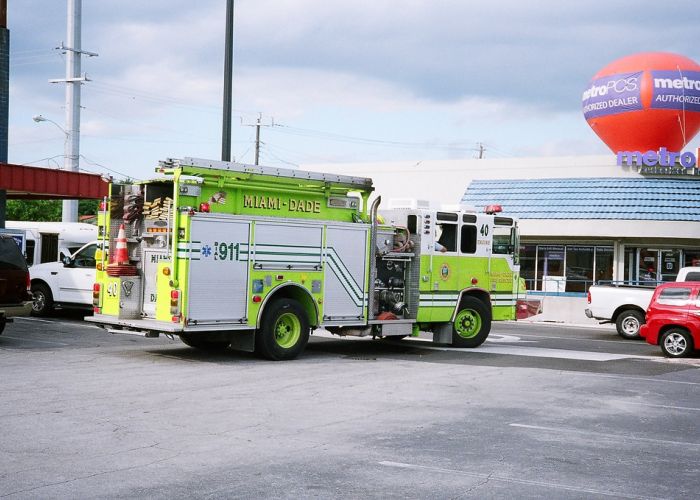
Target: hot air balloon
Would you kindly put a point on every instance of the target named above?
(645, 102)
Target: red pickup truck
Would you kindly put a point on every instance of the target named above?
(673, 319)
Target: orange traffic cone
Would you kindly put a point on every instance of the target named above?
(119, 264)
(121, 255)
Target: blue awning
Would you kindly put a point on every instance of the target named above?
(590, 198)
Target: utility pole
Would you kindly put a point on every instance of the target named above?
(481, 150)
(73, 81)
(258, 123)
(228, 85)
(4, 97)
(257, 142)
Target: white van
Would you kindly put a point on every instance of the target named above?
(51, 241)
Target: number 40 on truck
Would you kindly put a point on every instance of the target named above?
(226, 254)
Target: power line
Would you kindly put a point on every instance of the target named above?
(302, 156)
(303, 132)
(92, 162)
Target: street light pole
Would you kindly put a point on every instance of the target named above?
(228, 84)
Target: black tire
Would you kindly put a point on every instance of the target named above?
(43, 300)
(204, 342)
(284, 331)
(676, 343)
(472, 323)
(3, 322)
(628, 324)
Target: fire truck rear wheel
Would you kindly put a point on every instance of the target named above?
(284, 331)
(472, 323)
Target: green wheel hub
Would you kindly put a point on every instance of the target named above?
(467, 323)
(287, 330)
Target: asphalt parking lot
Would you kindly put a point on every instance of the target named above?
(538, 411)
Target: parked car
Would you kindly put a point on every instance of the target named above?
(15, 299)
(625, 305)
(673, 319)
(65, 284)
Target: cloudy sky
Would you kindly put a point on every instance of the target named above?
(342, 81)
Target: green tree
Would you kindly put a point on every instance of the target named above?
(45, 210)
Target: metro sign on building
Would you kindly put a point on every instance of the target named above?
(661, 162)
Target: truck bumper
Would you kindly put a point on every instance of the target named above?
(151, 327)
(113, 323)
(22, 309)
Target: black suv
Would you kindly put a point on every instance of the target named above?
(15, 299)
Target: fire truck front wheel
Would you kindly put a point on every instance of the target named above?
(284, 330)
(472, 323)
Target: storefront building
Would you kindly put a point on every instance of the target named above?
(618, 237)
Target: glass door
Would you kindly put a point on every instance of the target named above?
(670, 265)
(550, 268)
(647, 267)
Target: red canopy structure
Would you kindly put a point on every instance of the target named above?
(24, 182)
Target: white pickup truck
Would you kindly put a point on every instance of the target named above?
(626, 305)
(64, 284)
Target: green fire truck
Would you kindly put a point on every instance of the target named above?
(257, 258)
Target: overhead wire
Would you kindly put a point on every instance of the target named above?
(92, 162)
(303, 132)
(267, 151)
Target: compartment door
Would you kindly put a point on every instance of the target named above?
(218, 277)
(345, 268)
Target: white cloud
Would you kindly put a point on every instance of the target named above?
(449, 73)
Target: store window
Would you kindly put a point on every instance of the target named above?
(579, 268)
(691, 258)
(550, 268)
(565, 268)
(651, 266)
(528, 264)
(604, 264)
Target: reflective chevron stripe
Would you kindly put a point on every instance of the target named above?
(345, 277)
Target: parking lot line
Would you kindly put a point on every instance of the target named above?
(536, 352)
(29, 318)
(58, 321)
(28, 339)
(512, 350)
(638, 379)
(668, 407)
(597, 434)
(505, 479)
(584, 339)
